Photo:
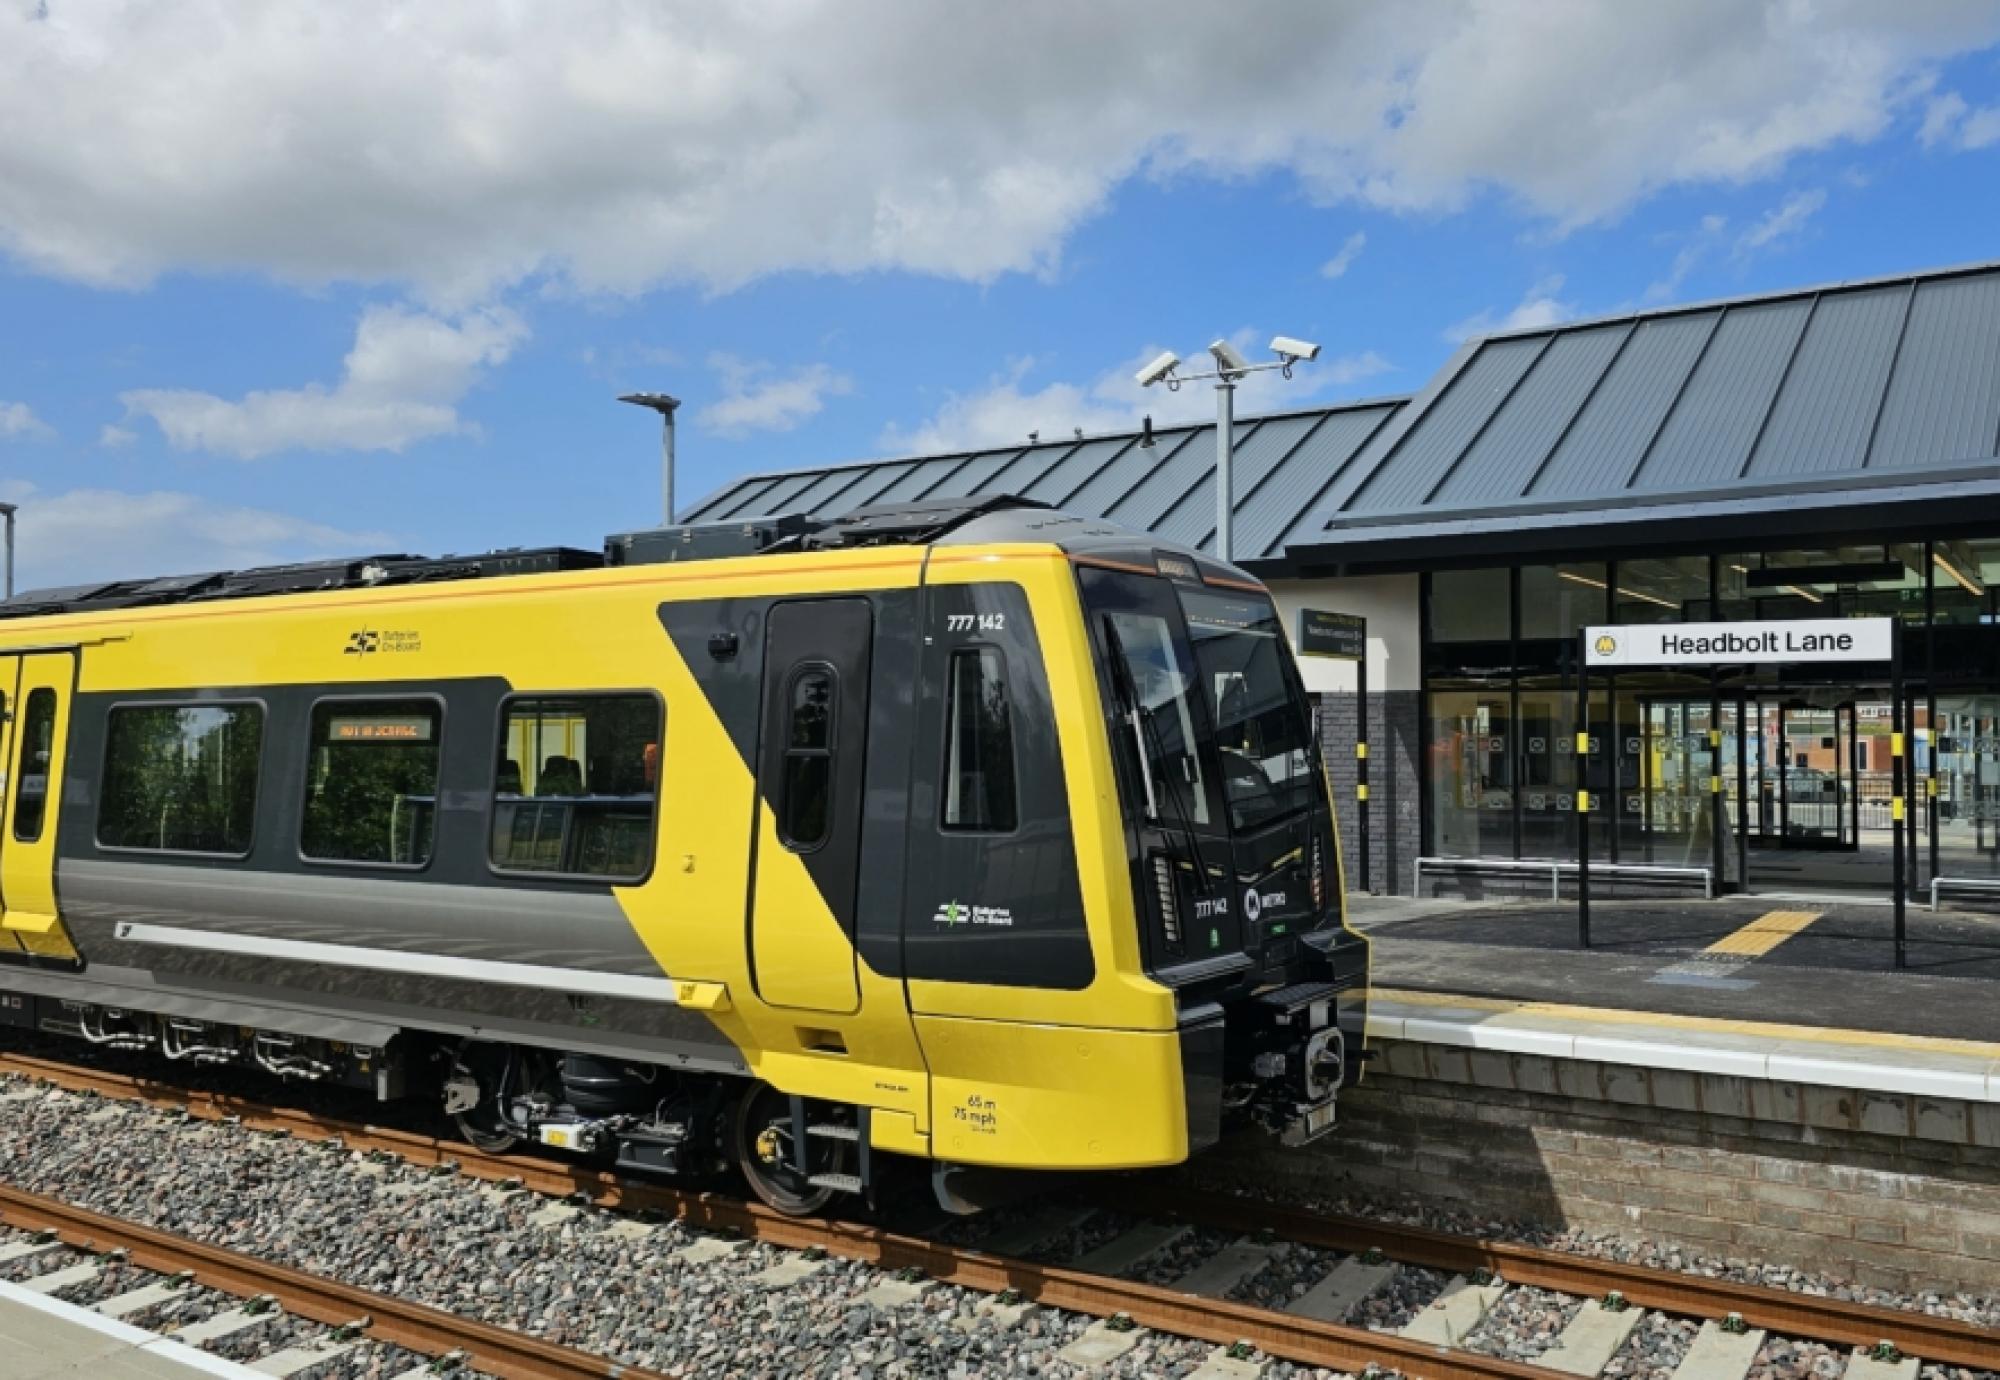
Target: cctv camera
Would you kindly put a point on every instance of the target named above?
(1160, 369)
(1294, 349)
(1227, 358)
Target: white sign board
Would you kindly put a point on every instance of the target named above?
(1727, 644)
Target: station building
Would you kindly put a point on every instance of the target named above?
(1830, 452)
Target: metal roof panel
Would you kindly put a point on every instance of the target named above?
(970, 478)
(1502, 462)
(1943, 402)
(1618, 421)
(1716, 420)
(1826, 409)
(1405, 478)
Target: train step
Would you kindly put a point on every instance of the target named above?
(846, 1183)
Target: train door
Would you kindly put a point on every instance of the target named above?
(38, 709)
(813, 744)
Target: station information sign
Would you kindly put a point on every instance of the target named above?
(1342, 636)
(1734, 644)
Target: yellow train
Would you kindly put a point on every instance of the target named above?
(974, 832)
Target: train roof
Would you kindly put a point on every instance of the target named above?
(988, 519)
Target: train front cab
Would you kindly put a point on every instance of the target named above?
(1157, 942)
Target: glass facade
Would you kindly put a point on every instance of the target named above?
(1797, 756)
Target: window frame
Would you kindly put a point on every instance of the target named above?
(974, 649)
(257, 702)
(305, 779)
(492, 789)
(20, 747)
(830, 753)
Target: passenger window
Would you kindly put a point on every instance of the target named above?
(805, 811)
(979, 793)
(576, 784)
(181, 778)
(38, 739)
(371, 782)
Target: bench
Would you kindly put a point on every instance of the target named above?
(1556, 869)
(1962, 884)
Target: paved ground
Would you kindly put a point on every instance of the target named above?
(1755, 959)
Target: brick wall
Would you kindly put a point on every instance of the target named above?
(1394, 823)
(1895, 1191)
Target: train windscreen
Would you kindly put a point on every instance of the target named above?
(1262, 730)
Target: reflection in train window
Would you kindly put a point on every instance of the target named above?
(575, 785)
(181, 778)
(38, 738)
(371, 782)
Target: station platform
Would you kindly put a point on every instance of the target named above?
(43, 1338)
(1794, 990)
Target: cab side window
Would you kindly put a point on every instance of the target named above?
(38, 737)
(576, 785)
(805, 809)
(979, 786)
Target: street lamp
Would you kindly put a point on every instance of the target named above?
(7, 512)
(665, 406)
(1229, 367)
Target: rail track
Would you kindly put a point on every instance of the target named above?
(1481, 1269)
(353, 1313)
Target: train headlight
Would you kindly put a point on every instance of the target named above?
(1170, 916)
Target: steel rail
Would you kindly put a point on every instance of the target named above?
(1806, 1316)
(412, 1326)
(1813, 1317)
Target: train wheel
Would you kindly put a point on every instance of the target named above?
(762, 1149)
(499, 1072)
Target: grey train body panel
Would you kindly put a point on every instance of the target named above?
(580, 942)
(558, 929)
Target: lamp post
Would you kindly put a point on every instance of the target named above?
(7, 512)
(1229, 367)
(664, 405)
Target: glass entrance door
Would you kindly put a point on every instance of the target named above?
(1818, 802)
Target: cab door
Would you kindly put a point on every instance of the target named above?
(37, 734)
(812, 747)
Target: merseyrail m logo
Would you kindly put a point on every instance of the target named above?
(1606, 644)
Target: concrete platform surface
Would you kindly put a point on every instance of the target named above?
(44, 1338)
(1736, 958)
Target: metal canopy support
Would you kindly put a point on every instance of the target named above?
(1583, 790)
(1361, 763)
(1897, 776)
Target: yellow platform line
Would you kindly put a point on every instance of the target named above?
(1663, 1020)
(1764, 934)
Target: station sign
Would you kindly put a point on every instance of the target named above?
(1342, 636)
(1733, 644)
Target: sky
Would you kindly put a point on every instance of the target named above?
(294, 280)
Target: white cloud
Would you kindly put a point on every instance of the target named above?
(1344, 257)
(18, 422)
(758, 397)
(1950, 122)
(1539, 307)
(111, 437)
(399, 384)
(1007, 409)
(1783, 222)
(1695, 246)
(104, 534)
(464, 146)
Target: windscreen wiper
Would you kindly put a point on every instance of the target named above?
(1146, 738)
